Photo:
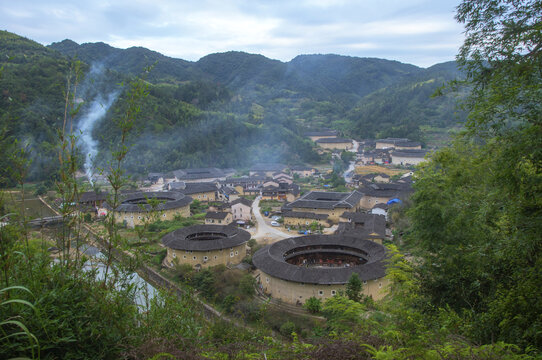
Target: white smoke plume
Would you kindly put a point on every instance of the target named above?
(95, 112)
(92, 113)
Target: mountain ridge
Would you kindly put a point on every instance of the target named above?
(234, 108)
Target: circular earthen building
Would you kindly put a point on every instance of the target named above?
(135, 208)
(296, 269)
(206, 245)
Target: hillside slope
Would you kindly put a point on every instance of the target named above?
(227, 109)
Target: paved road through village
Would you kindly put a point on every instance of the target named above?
(266, 232)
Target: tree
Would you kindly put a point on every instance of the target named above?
(342, 313)
(501, 56)
(354, 288)
(476, 214)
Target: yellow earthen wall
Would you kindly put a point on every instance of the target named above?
(336, 146)
(293, 292)
(138, 218)
(368, 202)
(294, 221)
(226, 256)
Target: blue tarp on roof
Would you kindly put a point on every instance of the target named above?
(394, 201)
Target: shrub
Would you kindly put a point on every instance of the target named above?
(287, 329)
(246, 285)
(229, 302)
(313, 305)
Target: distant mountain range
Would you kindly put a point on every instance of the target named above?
(227, 109)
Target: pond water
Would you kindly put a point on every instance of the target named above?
(144, 291)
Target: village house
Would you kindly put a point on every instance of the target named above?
(375, 157)
(389, 143)
(156, 178)
(203, 246)
(408, 145)
(282, 177)
(408, 157)
(245, 185)
(218, 218)
(201, 191)
(323, 134)
(266, 170)
(296, 269)
(219, 206)
(380, 209)
(200, 175)
(241, 209)
(335, 143)
(227, 193)
(332, 204)
(303, 220)
(361, 180)
(366, 226)
(302, 171)
(92, 198)
(280, 191)
(374, 194)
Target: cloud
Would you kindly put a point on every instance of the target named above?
(405, 30)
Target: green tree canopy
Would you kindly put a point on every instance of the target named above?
(477, 213)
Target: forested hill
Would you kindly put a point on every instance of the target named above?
(362, 97)
(228, 109)
(315, 76)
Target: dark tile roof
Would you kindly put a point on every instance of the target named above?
(304, 215)
(219, 215)
(381, 206)
(270, 260)
(408, 143)
(322, 133)
(326, 200)
(229, 190)
(392, 140)
(153, 176)
(300, 168)
(195, 188)
(243, 201)
(90, 196)
(370, 223)
(410, 153)
(245, 180)
(137, 202)
(205, 237)
(198, 173)
(176, 185)
(386, 189)
(333, 140)
(268, 167)
(282, 188)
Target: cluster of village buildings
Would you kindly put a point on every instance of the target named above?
(296, 268)
(395, 151)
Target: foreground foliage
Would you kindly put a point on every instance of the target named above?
(477, 214)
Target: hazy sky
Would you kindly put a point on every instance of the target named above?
(420, 32)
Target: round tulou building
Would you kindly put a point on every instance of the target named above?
(206, 245)
(296, 269)
(134, 208)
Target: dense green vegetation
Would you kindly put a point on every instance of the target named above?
(228, 110)
(476, 217)
(31, 99)
(474, 226)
